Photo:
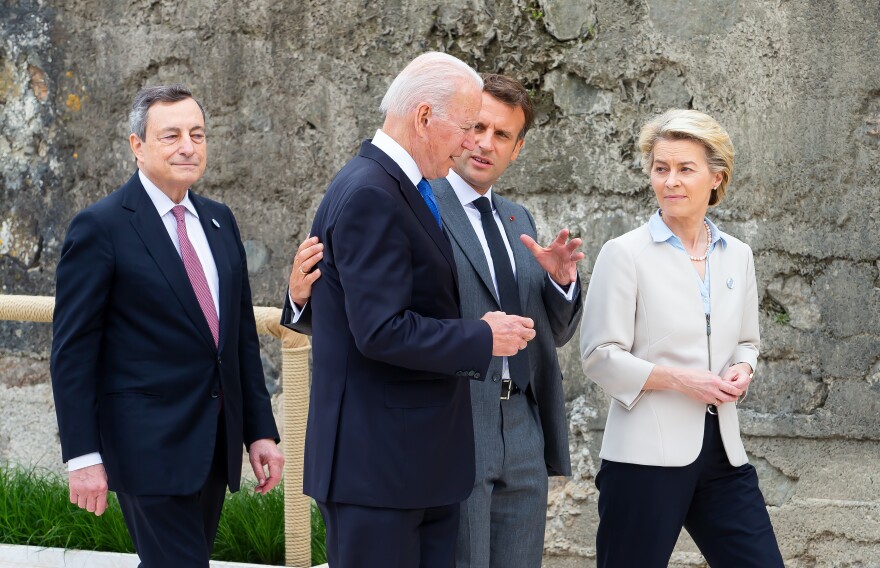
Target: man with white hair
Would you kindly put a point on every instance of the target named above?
(389, 444)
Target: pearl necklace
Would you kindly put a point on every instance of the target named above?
(708, 244)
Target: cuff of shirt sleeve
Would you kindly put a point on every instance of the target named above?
(297, 311)
(87, 460)
(569, 295)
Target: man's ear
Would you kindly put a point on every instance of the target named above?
(517, 148)
(423, 116)
(136, 147)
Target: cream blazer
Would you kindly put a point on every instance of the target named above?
(643, 308)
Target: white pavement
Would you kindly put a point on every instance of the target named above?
(14, 556)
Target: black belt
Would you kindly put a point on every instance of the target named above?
(508, 388)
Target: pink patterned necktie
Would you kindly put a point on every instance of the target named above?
(196, 273)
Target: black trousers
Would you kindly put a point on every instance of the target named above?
(373, 537)
(178, 530)
(642, 510)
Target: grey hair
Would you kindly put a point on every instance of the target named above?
(432, 78)
(147, 97)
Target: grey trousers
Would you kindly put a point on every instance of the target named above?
(502, 522)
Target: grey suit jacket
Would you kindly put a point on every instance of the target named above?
(555, 320)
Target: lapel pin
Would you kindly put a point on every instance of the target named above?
(216, 224)
(730, 283)
(511, 217)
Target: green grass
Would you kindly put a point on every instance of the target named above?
(782, 318)
(35, 510)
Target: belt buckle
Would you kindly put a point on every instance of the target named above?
(712, 409)
(505, 389)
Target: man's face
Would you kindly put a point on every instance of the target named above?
(497, 144)
(173, 154)
(447, 137)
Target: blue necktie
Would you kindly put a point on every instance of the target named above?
(428, 195)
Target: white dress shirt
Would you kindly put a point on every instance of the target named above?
(196, 234)
(466, 196)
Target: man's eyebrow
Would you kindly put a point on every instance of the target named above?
(178, 128)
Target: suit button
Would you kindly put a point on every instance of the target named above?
(214, 393)
(219, 360)
(476, 375)
(470, 373)
(496, 377)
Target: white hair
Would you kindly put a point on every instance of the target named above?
(432, 78)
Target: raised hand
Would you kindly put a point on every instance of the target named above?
(559, 259)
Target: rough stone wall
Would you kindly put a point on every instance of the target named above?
(292, 87)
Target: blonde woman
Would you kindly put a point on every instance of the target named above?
(670, 332)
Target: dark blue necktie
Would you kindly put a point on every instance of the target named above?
(428, 195)
(508, 290)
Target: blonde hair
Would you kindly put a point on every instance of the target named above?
(682, 124)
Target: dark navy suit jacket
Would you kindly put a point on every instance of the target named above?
(135, 372)
(390, 416)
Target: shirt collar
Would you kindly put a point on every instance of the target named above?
(161, 201)
(400, 156)
(463, 190)
(661, 233)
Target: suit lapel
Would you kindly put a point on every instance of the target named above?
(515, 224)
(146, 222)
(459, 228)
(415, 201)
(221, 259)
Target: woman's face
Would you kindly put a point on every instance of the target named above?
(681, 178)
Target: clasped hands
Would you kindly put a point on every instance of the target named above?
(710, 388)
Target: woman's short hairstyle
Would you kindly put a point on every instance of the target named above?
(681, 124)
(431, 78)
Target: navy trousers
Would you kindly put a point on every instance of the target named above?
(178, 530)
(642, 510)
(373, 537)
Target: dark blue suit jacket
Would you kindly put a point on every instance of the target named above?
(390, 416)
(135, 371)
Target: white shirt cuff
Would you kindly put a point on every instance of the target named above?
(87, 460)
(297, 312)
(569, 295)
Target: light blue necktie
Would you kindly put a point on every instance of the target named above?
(428, 195)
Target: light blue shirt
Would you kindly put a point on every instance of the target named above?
(663, 234)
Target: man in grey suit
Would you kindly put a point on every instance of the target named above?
(520, 427)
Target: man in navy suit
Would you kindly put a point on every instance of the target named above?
(389, 443)
(156, 369)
